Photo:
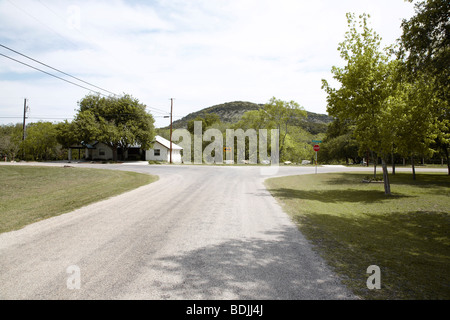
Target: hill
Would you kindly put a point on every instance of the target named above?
(232, 112)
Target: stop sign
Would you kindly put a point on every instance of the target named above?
(316, 148)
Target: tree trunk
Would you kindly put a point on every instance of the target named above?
(413, 168)
(374, 165)
(114, 150)
(448, 159)
(367, 160)
(387, 184)
(125, 153)
(393, 163)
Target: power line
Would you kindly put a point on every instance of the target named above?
(1, 45)
(56, 69)
(90, 84)
(50, 74)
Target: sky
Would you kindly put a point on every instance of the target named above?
(200, 53)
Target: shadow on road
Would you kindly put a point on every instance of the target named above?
(276, 266)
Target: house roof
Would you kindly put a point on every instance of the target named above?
(166, 143)
(83, 145)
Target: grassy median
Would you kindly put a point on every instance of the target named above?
(354, 225)
(29, 194)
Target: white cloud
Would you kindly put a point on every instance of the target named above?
(200, 52)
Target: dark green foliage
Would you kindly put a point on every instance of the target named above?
(117, 122)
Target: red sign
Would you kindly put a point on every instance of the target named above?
(316, 148)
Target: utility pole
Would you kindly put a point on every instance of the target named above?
(25, 109)
(24, 117)
(171, 111)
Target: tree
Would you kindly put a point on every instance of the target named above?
(425, 42)
(253, 119)
(282, 115)
(117, 122)
(10, 140)
(207, 119)
(279, 114)
(40, 142)
(66, 134)
(425, 50)
(361, 98)
(413, 118)
(340, 143)
(297, 150)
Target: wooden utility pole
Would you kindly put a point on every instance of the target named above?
(171, 111)
(24, 117)
(24, 125)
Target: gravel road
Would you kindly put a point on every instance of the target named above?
(199, 232)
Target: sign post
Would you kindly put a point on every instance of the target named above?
(227, 151)
(316, 149)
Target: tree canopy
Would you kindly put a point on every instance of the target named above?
(119, 122)
(365, 89)
(425, 54)
(394, 100)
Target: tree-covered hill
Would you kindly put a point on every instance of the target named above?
(232, 112)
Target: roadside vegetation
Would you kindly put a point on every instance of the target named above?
(29, 194)
(354, 225)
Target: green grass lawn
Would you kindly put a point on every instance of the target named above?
(354, 225)
(29, 194)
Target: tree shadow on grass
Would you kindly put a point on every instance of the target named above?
(347, 178)
(411, 248)
(436, 181)
(427, 180)
(335, 196)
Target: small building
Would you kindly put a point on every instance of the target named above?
(102, 152)
(161, 151)
(99, 151)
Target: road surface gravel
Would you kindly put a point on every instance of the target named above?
(199, 232)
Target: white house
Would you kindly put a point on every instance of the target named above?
(161, 151)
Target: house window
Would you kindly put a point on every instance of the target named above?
(101, 152)
(157, 152)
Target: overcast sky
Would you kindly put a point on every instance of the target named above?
(199, 52)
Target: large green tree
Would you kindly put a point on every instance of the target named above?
(425, 43)
(412, 106)
(425, 51)
(361, 98)
(118, 122)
